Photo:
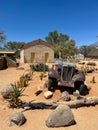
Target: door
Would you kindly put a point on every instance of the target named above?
(32, 57)
(46, 57)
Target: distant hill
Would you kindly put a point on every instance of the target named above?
(94, 44)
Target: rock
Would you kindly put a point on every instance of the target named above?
(17, 118)
(48, 94)
(65, 96)
(5, 92)
(61, 116)
(77, 94)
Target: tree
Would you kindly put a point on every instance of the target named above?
(52, 37)
(68, 49)
(57, 49)
(85, 50)
(62, 38)
(2, 38)
(61, 44)
(13, 45)
(56, 38)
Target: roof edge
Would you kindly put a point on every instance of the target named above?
(37, 42)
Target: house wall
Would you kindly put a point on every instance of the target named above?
(22, 56)
(39, 57)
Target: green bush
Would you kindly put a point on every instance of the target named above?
(39, 67)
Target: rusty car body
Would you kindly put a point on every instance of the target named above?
(70, 77)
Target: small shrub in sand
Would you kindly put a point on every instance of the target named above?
(14, 97)
(93, 80)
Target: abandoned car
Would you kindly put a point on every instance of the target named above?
(66, 75)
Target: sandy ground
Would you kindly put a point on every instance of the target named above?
(86, 117)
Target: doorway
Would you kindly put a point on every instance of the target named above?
(46, 57)
(32, 57)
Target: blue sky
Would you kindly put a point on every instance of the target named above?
(28, 20)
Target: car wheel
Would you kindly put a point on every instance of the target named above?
(83, 89)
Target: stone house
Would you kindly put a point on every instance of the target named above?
(93, 54)
(37, 51)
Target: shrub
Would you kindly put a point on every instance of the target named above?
(23, 80)
(42, 75)
(14, 97)
(93, 80)
(39, 67)
(84, 69)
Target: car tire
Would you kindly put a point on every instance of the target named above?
(83, 89)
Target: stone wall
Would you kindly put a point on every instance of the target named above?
(3, 63)
(39, 51)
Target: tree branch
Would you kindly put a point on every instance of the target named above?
(89, 101)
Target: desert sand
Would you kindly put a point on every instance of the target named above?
(86, 117)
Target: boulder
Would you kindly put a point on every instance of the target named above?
(17, 118)
(61, 116)
(77, 94)
(48, 94)
(6, 90)
(65, 96)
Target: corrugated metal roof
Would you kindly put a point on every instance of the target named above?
(7, 52)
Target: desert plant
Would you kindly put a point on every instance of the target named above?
(28, 76)
(93, 80)
(32, 67)
(41, 76)
(23, 80)
(84, 69)
(39, 67)
(14, 97)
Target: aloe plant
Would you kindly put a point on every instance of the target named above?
(14, 98)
